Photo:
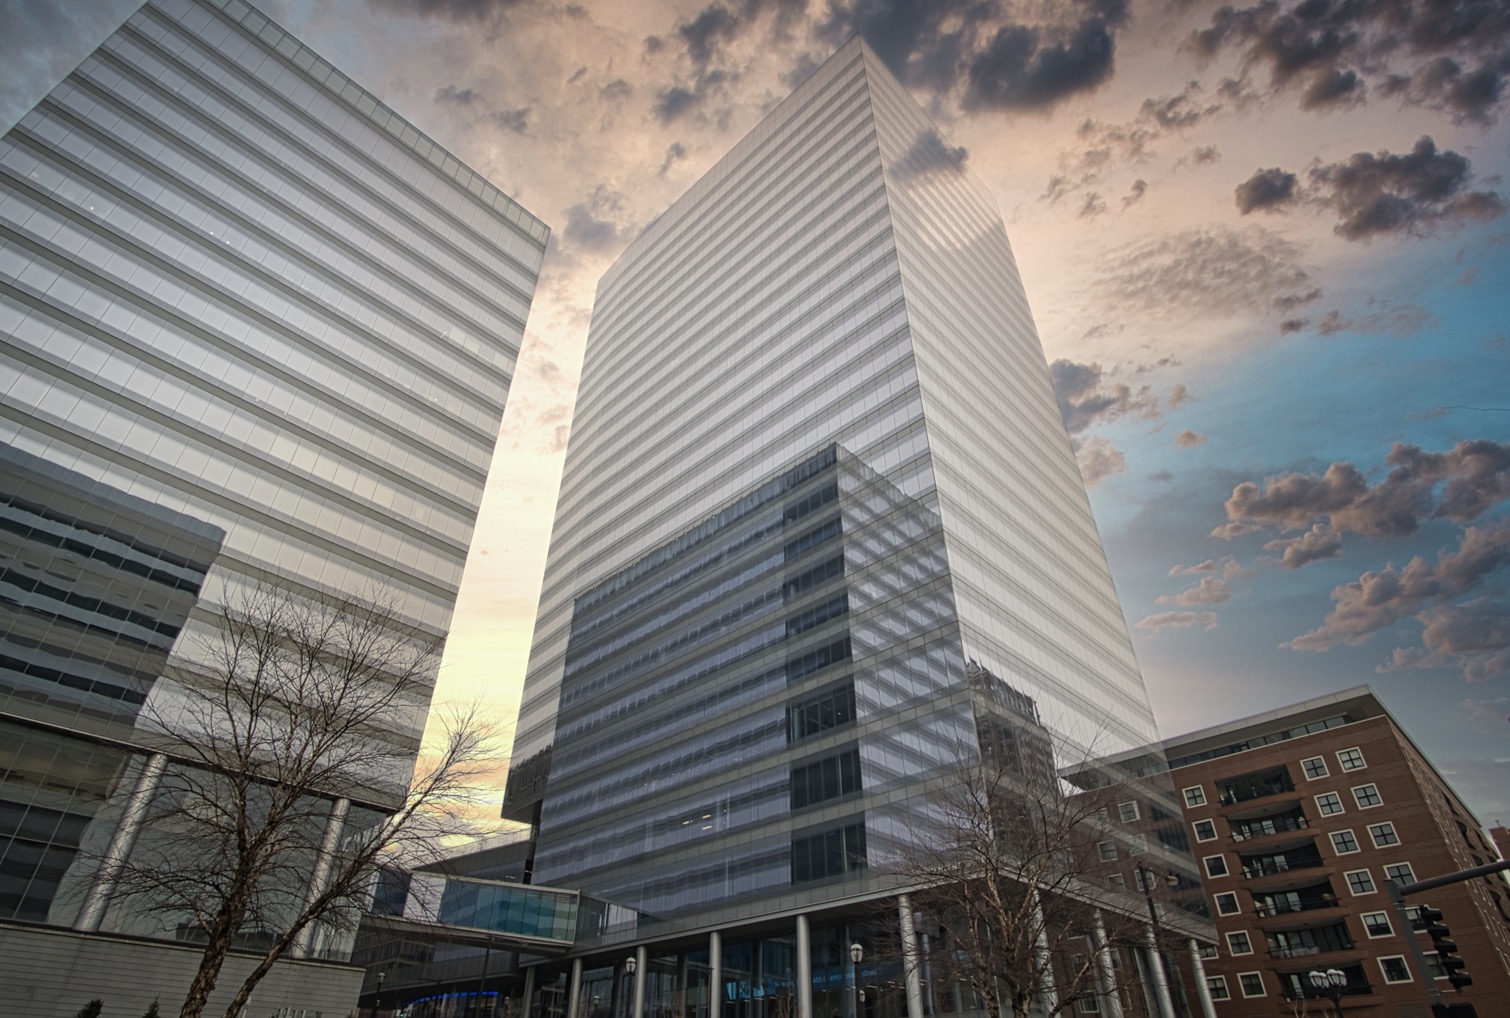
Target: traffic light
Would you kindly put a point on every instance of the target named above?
(1430, 920)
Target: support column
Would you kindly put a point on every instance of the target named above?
(911, 964)
(1208, 1009)
(715, 975)
(97, 899)
(574, 990)
(804, 969)
(640, 975)
(526, 998)
(304, 943)
(1156, 972)
(1106, 973)
(1042, 961)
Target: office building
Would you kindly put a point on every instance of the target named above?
(1298, 816)
(821, 535)
(255, 330)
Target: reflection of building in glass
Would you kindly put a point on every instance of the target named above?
(256, 330)
(821, 538)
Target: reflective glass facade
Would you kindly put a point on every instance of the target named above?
(837, 280)
(254, 328)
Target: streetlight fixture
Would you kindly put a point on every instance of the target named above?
(1329, 984)
(630, 964)
(857, 955)
(377, 998)
(1145, 880)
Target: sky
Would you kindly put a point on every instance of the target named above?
(1266, 246)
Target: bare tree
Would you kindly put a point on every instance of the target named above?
(293, 743)
(1017, 877)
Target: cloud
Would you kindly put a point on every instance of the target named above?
(516, 121)
(1211, 272)
(1318, 543)
(1460, 485)
(1327, 52)
(1085, 397)
(675, 153)
(448, 10)
(1022, 68)
(1135, 193)
(1207, 590)
(1389, 319)
(1227, 566)
(450, 95)
(1377, 193)
(1203, 156)
(1473, 637)
(929, 154)
(1266, 190)
(1098, 460)
(1092, 206)
(596, 224)
(1187, 438)
(1179, 620)
(1378, 600)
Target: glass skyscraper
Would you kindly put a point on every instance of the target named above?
(255, 329)
(821, 540)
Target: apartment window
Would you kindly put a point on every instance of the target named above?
(1360, 881)
(1329, 803)
(1376, 924)
(1252, 983)
(1366, 796)
(1127, 812)
(1344, 842)
(1395, 970)
(1108, 851)
(822, 712)
(1226, 904)
(1350, 759)
(1089, 1005)
(1216, 865)
(1383, 834)
(1117, 882)
(1238, 943)
(1217, 987)
(823, 780)
(1314, 768)
(1208, 952)
(828, 853)
(1205, 830)
(1195, 795)
(1400, 873)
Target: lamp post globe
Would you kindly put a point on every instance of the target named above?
(856, 955)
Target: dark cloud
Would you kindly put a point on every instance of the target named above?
(703, 34)
(1022, 69)
(1203, 156)
(516, 120)
(615, 90)
(673, 102)
(1460, 485)
(450, 95)
(1266, 190)
(1188, 439)
(1318, 543)
(1473, 637)
(1450, 56)
(675, 153)
(1092, 206)
(1293, 325)
(1086, 398)
(595, 224)
(1176, 112)
(929, 154)
(1135, 193)
(448, 10)
(1206, 272)
(1377, 193)
(1379, 599)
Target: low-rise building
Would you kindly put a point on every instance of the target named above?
(1297, 818)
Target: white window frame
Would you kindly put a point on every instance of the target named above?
(1359, 801)
(1199, 797)
(1232, 946)
(1384, 973)
(1343, 763)
(1217, 987)
(1106, 856)
(1116, 881)
(1323, 811)
(1196, 829)
(1206, 866)
(1357, 846)
(1122, 811)
(1392, 833)
(1372, 883)
(1263, 990)
(1407, 865)
(1389, 926)
(1315, 777)
(1237, 906)
(1088, 1004)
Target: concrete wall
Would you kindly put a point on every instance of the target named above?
(51, 973)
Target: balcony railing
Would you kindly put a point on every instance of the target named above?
(1306, 950)
(1277, 826)
(1270, 867)
(1357, 988)
(1242, 791)
(1274, 908)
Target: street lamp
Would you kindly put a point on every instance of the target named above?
(856, 955)
(1145, 880)
(1329, 984)
(630, 964)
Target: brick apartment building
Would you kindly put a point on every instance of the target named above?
(1297, 817)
